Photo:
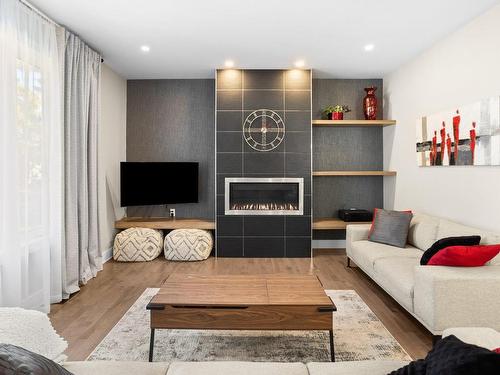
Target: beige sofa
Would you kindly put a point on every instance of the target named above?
(230, 368)
(439, 297)
(485, 337)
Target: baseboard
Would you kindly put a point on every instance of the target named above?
(328, 244)
(107, 255)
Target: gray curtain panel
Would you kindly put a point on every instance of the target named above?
(82, 70)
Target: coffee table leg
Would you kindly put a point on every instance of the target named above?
(332, 350)
(151, 344)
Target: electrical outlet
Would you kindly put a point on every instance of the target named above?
(172, 212)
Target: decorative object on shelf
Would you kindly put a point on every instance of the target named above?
(469, 135)
(370, 103)
(336, 112)
(353, 215)
(343, 123)
(263, 130)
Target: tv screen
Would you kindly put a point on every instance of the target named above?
(145, 184)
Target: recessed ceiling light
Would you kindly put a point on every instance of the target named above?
(229, 63)
(300, 63)
(369, 47)
(145, 48)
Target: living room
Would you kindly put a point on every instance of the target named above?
(210, 187)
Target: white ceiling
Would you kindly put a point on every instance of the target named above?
(190, 38)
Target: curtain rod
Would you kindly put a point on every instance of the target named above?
(44, 16)
(39, 12)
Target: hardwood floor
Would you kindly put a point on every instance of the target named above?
(86, 318)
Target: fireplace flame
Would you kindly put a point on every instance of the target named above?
(265, 206)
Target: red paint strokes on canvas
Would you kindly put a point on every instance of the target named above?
(456, 133)
(473, 140)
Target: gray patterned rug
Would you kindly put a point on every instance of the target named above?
(359, 335)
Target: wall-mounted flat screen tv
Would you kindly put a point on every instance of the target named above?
(147, 183)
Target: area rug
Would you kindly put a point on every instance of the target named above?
(358, 335)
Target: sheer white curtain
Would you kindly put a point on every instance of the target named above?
(30, 160)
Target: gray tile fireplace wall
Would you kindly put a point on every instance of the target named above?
(288, 93)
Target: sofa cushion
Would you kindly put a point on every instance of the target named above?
(481, 336)
(423, 231)
(240, 368)
(365, 253)
(116, 368)
(447, 242)
(354, 367)
(397, 276)
(448, 228)
(390, 227)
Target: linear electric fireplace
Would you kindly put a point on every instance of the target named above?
(264, 196)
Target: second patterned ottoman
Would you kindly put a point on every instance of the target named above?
(188, 245)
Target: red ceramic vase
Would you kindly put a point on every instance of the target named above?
(338, 116)
(370, 104)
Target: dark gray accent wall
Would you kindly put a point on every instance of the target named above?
(173, 120)
(346, 148)
(239, 92)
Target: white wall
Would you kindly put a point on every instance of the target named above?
(112, 146)
(461, 69)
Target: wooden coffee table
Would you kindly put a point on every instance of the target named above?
(241, 302)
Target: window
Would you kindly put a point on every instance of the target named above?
(30, 150)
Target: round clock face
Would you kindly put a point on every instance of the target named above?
(263, 130)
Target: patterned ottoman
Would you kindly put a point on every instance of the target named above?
(188, 244)
(137, 245)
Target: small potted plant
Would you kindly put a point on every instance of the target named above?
(336, 112)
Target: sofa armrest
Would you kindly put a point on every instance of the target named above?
(356, 232)
(481, 336)
(446, 297)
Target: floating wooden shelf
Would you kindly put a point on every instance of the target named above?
(333, 224)
(354, 173)
(341, 123)
(164, 223)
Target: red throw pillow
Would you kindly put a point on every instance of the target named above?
(497, 350)
(465, 256)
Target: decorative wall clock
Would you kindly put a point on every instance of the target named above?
(263, 130)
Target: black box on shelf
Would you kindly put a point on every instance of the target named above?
(355, 215)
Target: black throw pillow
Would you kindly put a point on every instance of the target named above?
(15, 360)
(451, 356)
(447, 242)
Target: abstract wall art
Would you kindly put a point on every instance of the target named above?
(467, 135)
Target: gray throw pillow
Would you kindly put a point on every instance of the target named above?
(390, 227)
(15, 360)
